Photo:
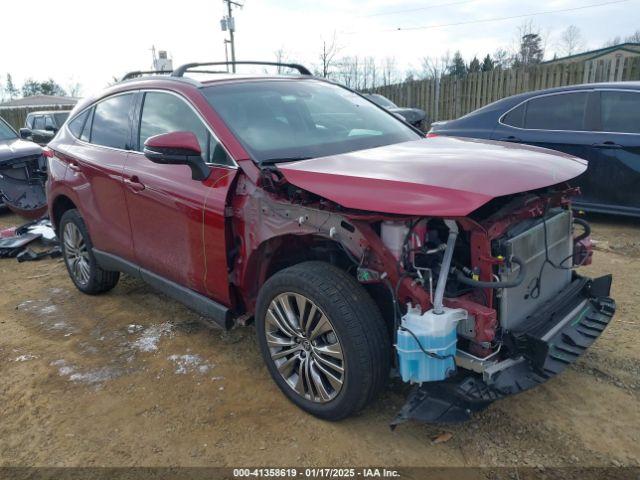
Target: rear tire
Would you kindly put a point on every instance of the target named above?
(330, 369)
(77, 251)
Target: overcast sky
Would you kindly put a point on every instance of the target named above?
(90, 42)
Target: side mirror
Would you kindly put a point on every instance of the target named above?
(25, 133)
(177, 148)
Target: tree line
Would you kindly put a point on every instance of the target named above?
(530, 46)
(10, 91)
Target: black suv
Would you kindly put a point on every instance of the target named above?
(40, 127)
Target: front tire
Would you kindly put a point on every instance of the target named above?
(77, 251)
(323, 339)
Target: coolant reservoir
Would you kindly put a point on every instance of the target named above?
(393, 235)
(437, 335)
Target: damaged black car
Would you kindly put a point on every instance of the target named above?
(23, 173)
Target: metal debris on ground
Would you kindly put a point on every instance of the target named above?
(14, 241)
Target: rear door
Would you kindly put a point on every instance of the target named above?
(95, 165)
(614, 161)
(178, 223)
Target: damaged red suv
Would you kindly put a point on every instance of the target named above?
(361, 250)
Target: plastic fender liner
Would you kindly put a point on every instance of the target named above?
(564, 329)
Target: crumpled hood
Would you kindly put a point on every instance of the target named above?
(17, 148)
(441, 176)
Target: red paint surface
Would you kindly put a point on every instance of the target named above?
(442, 176)
(179, 140)
(157, 216)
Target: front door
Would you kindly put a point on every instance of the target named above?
(178, 224)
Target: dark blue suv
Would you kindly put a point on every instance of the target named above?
(598, 122)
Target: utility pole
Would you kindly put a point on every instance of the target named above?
(226, 52)
(228, 23)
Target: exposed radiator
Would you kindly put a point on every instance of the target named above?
(526, 241)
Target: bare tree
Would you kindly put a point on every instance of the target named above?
(634, 37)
(74, 89)
(347, 71)
(612, 41)
(502, 58)
(328, 55)
(435, 67)
(389, 71)
(571, 41)
(281, 57)
(369, 73)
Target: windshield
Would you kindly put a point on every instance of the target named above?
(6, 132)
(60, 118)
(284, 120)
(382, 101)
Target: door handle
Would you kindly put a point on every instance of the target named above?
(510, 138)
(74, 166)
(134, 184)
(607, 145)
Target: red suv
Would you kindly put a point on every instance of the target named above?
(362, 250)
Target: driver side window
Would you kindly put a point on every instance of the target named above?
(164, 113)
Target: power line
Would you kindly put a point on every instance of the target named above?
(428, 7)
(497, 19)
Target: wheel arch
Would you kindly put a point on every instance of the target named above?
(283, 251)
(59, 206)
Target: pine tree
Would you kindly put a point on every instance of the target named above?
(474, 65)
(458, 68)
(10, 88)
(531, 51)
(488, 64)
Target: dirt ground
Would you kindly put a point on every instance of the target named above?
(130, 378)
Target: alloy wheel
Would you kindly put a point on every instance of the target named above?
(305, 347)
(76, 253)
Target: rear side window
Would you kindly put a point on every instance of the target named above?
(164, 113)
(75, 125)
(515, 117)
(620, 111)
(111, 122)
(564, 111)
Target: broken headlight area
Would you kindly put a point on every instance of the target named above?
(22, 185)
(488, 307)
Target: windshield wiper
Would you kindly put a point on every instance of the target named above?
(271, 161)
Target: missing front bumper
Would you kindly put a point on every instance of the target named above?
(553, 339)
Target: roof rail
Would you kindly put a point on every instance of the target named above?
(181, 70)
(139, 73)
